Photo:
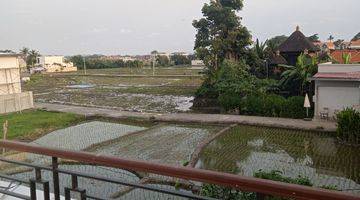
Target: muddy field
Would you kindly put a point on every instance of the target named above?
(139, 94)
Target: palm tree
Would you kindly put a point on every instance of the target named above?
(331, 38)
(304, 69)
(260, 49)
(25, 51)
(31, 59)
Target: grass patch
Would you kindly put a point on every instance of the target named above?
(32, 124)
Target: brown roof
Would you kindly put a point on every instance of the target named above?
(277, 59)
(297, 42)
(355, 42)
(337, 55)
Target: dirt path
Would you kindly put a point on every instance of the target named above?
(299, 124)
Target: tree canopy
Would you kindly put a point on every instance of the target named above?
(220, 34)
(274, 43)
(314, 38)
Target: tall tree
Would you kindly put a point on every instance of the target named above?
(180, 59)
(314, 38)
(331, 38)
(273, 43)
(25, 51)
(220, 34)
(31, 58)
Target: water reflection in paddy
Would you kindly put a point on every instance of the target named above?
(245, 150)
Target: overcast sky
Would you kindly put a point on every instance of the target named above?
(140, 26)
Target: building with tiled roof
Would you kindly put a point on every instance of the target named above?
(337, 86)
(355, 44)
(295, 45)
(337, 55)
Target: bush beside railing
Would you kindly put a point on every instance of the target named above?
(348, 125)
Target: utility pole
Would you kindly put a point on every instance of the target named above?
(5, 131)
(154, 63)
(84, 65)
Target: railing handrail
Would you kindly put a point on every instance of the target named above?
(228, 180)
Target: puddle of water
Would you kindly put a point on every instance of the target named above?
(121, 101)
(245, 150)
(170, 144)
(82, 86)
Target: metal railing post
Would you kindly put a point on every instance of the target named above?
(55, 166)
(32, 190)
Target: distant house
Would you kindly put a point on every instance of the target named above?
(180, 54)
(197, 63)
(355, 44)
(12, 98)
(337, 55)
(337, 86)
(54, 64)
(295, 45)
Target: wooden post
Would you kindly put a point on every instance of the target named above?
(5, 130)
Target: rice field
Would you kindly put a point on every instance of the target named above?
(139, 94)
(246, 149)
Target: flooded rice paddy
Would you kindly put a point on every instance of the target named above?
(145, 94)
(242, 150)
(246, 149)
(168, 144)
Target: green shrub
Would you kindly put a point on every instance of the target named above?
(273, 105)
(265, 105)
(348, 125)
(229, 101)
(294, 108)
(252, 105)
(219, 192)
(225, 193)
(278, 176)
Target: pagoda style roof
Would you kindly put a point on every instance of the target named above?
(297, 42)
(277, 59)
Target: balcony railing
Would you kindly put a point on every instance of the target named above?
(189, 179)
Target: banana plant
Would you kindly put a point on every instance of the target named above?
(304, 69)
(346, 57)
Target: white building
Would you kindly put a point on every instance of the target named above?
(197, 63)
(355, 44)
(12, 99)
(337, 86)
(55, 64)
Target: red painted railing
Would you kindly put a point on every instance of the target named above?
(249, 184)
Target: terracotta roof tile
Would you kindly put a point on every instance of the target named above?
(337, 55)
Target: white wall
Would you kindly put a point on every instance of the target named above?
(334, 68)
(9, 75)
(9, 62)
(16, 102)
(336, 95)
(49, 60)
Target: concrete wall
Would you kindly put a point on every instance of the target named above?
(49, 60)
(58, 68)
(16, 102)
(334, 68)
(336, 95)
(9, 75)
